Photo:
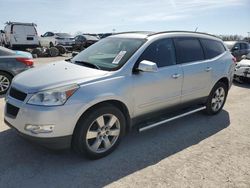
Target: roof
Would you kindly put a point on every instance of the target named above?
(19, 23)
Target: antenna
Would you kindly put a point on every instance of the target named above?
(196, 29)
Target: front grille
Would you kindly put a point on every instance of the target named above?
(11, 110)
(16, 94)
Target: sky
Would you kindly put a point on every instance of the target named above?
(97, 16)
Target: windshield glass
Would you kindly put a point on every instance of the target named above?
(109, 53)
(89, 37)
(66, 35)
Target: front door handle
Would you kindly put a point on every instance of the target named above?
(175, 76)
(208, 69)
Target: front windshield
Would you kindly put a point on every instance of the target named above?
(66, 35)
(109, 53)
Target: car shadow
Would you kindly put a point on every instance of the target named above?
(2, 96)
(245, 84)
(24, 164)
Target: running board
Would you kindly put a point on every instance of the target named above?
(150, 126)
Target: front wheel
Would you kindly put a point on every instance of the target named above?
(216, 99)
(99, 131)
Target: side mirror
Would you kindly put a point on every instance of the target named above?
(41, 35)
(243, 57)
(235, 48)
(147, 66)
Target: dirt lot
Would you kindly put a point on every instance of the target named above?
(196, 151)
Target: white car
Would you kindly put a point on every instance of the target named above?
(242, 69)
(21, 35)
(50, 39)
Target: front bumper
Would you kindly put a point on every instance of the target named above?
(242, 72)
(18, 114)
(56, 143)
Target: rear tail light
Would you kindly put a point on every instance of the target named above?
(26, 61)
(234, 60)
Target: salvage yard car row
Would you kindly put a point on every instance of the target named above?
(18, 35)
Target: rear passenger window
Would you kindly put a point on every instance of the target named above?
(161, 52)
(212, 48)
(243, 46)
(188, 50)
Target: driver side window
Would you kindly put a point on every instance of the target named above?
(161, 52)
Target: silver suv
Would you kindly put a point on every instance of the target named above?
(92, 101)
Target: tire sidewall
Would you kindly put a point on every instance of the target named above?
(83, 125)
(209, 109)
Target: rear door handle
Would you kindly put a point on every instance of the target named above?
(208, 69)
(175, 76)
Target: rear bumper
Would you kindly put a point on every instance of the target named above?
(55, 143)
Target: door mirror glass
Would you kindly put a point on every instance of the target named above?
(235, 48)
(147, 66)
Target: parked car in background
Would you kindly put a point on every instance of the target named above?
(83, 41)
(50, 39)
(11, 64)
(104, 35)
(116, 83)
(2, 38)
(21, 35)
(242, 69)
(238, 48)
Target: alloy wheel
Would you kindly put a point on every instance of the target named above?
(103, 133)
(4, 83)
(218, 99)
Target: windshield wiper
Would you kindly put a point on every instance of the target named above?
(91, 65)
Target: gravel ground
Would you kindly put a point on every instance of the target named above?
(195, 151)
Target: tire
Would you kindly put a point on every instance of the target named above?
(53, 52)
(5, 81)
(38, 52)
(94, 142)
(62, 49)
(216, 98)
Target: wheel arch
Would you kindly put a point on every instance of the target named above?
(225, 81)
(7, 72)
(119, 104)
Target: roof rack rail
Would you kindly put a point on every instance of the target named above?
(194, 32)
(127, 32)
(19, 23)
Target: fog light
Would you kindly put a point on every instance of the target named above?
(39, 128)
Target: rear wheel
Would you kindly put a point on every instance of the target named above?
(216, 99)
(5, 81)
(99, 131)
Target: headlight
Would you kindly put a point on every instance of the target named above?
(53, 97)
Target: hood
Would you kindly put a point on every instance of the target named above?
(244, 62)
(55, 75)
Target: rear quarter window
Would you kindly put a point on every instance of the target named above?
(212, 48)
(188, 50)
